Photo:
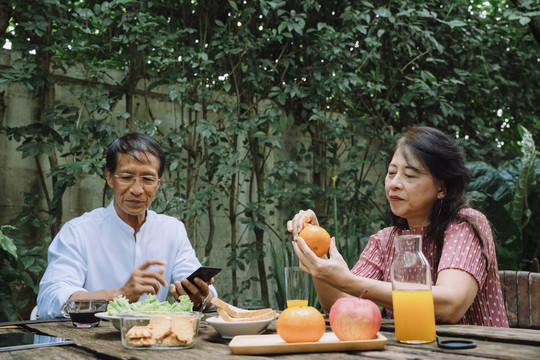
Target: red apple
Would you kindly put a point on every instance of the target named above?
(355, 319)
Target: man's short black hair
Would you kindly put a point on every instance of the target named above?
(133, 144)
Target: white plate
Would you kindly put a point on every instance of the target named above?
(229, 329)
(114, 319)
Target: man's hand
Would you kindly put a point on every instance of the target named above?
(143, 281)
(198, 291)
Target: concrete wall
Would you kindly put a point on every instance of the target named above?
(17, 175)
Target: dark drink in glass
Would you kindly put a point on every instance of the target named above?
(83, 312)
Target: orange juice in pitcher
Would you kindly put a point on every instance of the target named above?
(414, 315)
(412, 298)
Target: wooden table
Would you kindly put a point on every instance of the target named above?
(103, 342)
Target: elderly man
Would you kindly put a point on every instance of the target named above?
(124, 249)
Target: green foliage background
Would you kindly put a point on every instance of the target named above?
(341, 78)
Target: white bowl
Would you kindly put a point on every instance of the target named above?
(114, 319)
(229, 329)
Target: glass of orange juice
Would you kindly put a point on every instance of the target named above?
(296, 287)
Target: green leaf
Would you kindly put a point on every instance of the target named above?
(27, 279)
(8, 245)
(524, 20)
(27, 261)
(281, 27)
(456, 23)
(507, 232)
(487, 179)
(383, 12)
(233, 5)
(206, 130)
(174, 165)
(279, 277)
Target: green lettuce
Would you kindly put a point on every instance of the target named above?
(120, 304)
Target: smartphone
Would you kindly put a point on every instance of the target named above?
(205, 273)
(17, 340)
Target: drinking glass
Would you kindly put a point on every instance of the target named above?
(296, 286)
(83, 312)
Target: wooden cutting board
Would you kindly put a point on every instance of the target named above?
(273, 344)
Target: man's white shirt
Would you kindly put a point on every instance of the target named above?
(98, 251)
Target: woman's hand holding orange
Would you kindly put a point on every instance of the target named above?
(306, 226)
(331, 275)
(329, 270)
(297, 223)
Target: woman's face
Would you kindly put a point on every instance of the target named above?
(411, 190)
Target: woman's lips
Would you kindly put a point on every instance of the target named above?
(394, 198)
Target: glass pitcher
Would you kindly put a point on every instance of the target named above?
(412, 298)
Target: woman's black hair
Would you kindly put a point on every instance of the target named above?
(441, 155)
(135, 145)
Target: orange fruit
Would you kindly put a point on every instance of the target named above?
(300, 324)
(316, 238)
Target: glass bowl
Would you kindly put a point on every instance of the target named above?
(159, 329)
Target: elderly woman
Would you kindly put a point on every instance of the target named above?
(425, 187)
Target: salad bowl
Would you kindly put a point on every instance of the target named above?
(120, 305)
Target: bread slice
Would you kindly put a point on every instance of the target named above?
(231, 313)
(265, 316)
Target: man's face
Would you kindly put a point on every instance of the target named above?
(134, 184)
